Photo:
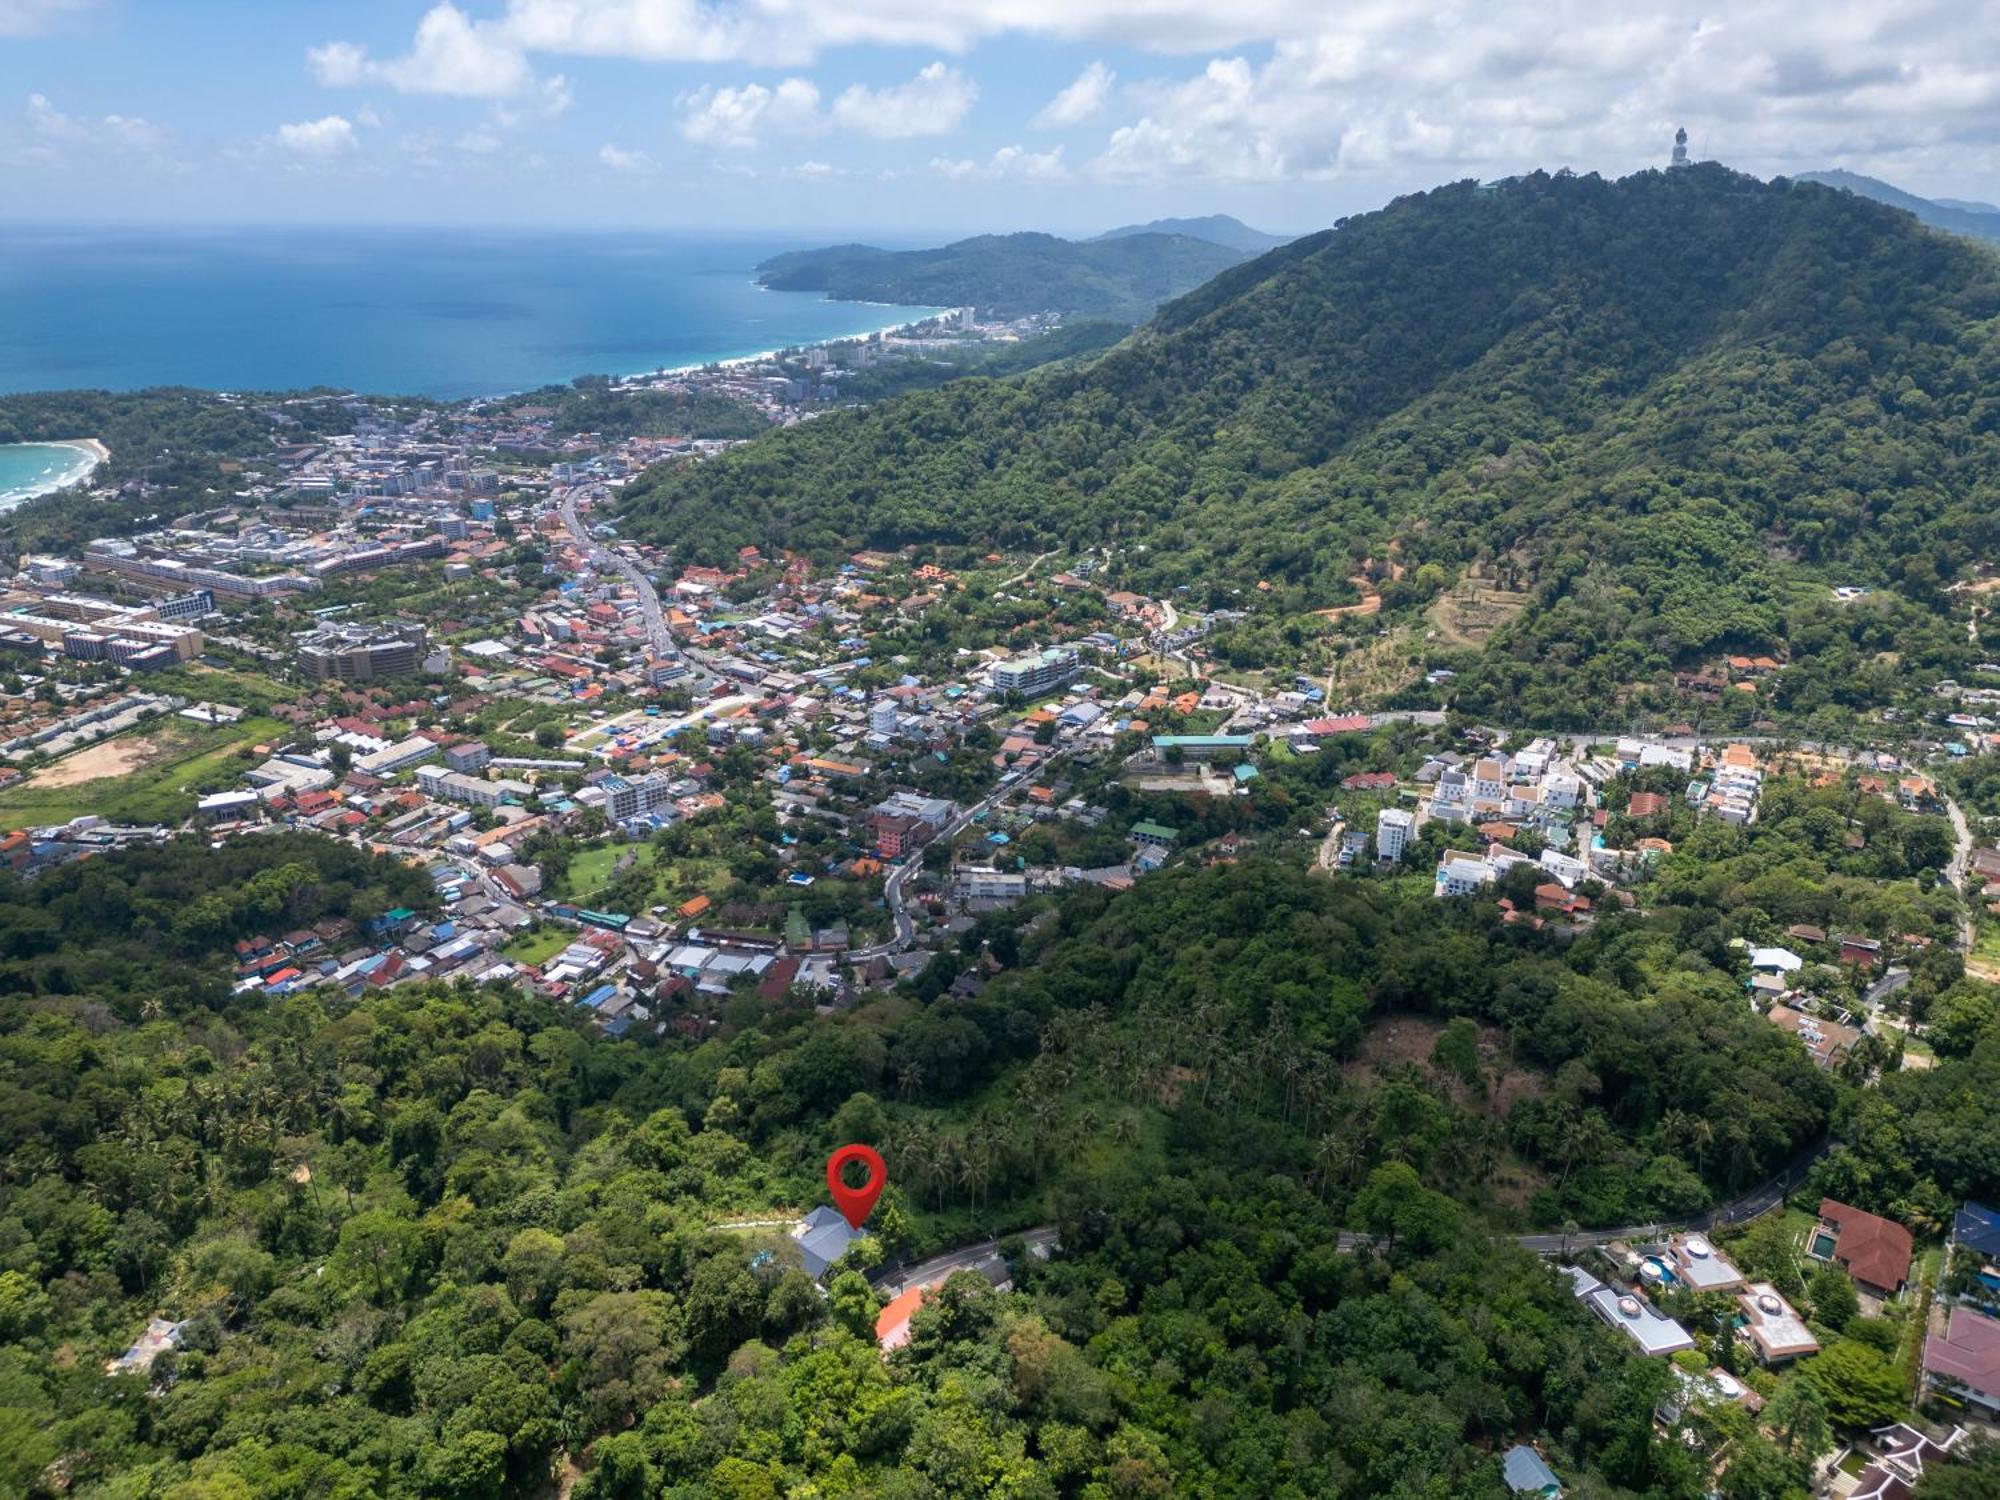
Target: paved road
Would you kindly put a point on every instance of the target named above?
(984, 1257)
(892, 888)
(1961, 856)
(632, 573)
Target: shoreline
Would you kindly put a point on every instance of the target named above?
(727, 362)
(736, 361)
(92, 454)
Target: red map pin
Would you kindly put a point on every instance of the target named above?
(855, 1204)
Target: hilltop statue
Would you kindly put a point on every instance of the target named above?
(1680, 161)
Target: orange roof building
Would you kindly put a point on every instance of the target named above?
(892, 1324)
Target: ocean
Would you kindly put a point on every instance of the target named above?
(31, 469)
(432, 312)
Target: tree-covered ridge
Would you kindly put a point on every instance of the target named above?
(442, 1242)
(1673, 410)
(1220, 229)
(596, 403)
(1010, 275)
(434, 1242)
(155, 922)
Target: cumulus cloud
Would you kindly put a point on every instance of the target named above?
(1008, 161)
(739, 118)
(321, 139)
(1081, 101)
(450, 54)
(1291, 89)
(621, 160)
(932, 103)
(1380, 90)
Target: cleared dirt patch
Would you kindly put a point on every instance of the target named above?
(116, 757)
(1371, 602)
(1396, 1040)
(1472, 612)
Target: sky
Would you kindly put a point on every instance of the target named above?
(902, 119)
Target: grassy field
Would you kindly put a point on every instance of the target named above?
(1985, 956)
(673, 882)
(185, 759)
(538, 947)
(592, 869)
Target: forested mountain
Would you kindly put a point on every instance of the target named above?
(1671, 410)
(444, 1242)
(1010, 275)
(1979, 221)
(1217, 229)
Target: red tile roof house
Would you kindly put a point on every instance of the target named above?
(1647, 805)
(1874, 1251)
(1962, 1364)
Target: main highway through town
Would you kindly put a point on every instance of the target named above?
(603, 557)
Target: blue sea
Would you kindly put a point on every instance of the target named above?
(437, 312)
(31, 469)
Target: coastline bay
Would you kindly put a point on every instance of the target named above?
(29, 470)
(448, 314)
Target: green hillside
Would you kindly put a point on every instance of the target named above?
(1220, 229)
(441, 1241)
(1010, 275)
(1672, 410)
(1981, 221)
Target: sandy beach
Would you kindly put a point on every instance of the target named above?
(762, 356)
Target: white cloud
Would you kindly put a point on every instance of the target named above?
(321, 139)
(479, 143)
(788, 33)
(1292, 89)
(1008, 161)
(620, 160)
(31, 17)
(932, 103)
(450, 54)
(1081, 101)
(118, 133)
(738, 118)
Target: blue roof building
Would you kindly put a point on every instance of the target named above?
(823, 1237)
(1527, 1474)
(1977, 1228)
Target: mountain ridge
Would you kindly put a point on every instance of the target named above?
(1218, 229)
(1975, 220)
(1012, 275)
(1673, 410)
